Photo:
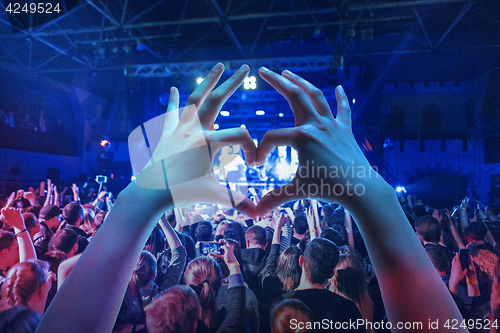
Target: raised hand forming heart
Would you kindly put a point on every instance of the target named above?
(177, 154)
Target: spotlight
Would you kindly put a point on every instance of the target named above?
(216, 126)
(199, 80)
(354, 101)
(224, 113)
(400, 189)
(104, 143)
(260, 112)
(243, 126)
(250, 82)
(281, 115)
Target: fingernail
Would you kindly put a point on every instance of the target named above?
(244, 67)
(258, 163)
(172, 90)
(218, 67)
(286, 72)
(264, 69)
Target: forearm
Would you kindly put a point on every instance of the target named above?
(172, 238)
(106, 265)
(348, 229)
(26, 248)
(456, 237)
(464, 219)
(405, 273)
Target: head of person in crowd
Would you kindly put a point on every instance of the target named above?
(204, 231)
(73, 213)
(286, 316)
(428, 229)
(218, 218)
(27, 283)
(300, 226)
(476, 231)
(256, 237)
(31, 223)
(88, 224)
(349, 280)
(289, 270)
(9, 250)
(54, 258)
(156, 242)
(439, 259)
(220, 230)
(176, 311)
(99, 219)
(19, 319)
(334, 236)
(318, 262)
(492, 212)
(235, 231)
(145, 270)
(66, 240)
(204, 276)
(50, 216)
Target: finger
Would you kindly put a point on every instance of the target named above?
(278, 197)
(315, 95)
(296, 97)
(234, 136)
(273, 138)
(212, 105)
(172, 115)
(343, 108)
(201, 92)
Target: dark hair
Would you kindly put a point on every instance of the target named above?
(145, 269)
(156, 241)
(174, 311)
(284, 311)
(256, 233)
(334, 236)
(64, 240)
(19, 319)
(429, 228)
(204, 231)
(54, 258)
(476, 230)
(30, 220)
(289, 270)
(6, 239)
(494, 209)
(300, 224)
(235, 231)
(438, 257)
(72, 212)
(320, 258)
(204, 276)
(23, 280)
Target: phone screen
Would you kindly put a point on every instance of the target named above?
(210, 248)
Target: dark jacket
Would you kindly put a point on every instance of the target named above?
(41, 240)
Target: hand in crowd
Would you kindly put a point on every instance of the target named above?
(322, 141)
(30, 196)
(465, 203)
(186, 146)
(11, 199)
(13, 217)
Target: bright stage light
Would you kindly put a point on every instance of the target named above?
(354, 101)
(243, 126)
(216, 126)
(260, 112)
(199, 80)
(280, 115)
(224, 113)
(400, 189)
(250, 82)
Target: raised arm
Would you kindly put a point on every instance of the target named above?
(411, 288)
(91, 296)
(14, 217)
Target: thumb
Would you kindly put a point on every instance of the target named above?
(279, 196)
